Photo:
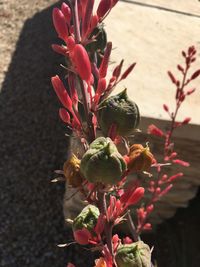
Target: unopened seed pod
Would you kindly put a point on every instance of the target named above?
(102, 162)
(120, 111)
(87, 218)
(136, 254)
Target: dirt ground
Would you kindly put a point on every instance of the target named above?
(33, 145)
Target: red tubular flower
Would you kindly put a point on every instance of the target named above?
(60, 24)
(128, 71)
(82, 62)
(181, 162)
(87, 17)
(132, 196)
(61, 92)
(152, 129)
(103, 8)
(117, 71)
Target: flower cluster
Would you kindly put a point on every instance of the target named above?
(100, 174)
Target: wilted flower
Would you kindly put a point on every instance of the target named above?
(72, 171)
(102, 162)
(118, 110)
(137, 254)
(139, 158)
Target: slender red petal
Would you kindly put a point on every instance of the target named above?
(82, 62)
(104, 64)
(61, 92)
(60, 24)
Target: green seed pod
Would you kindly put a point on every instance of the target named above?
(118, 110)
(100, 40)
(102, 162)
(86, 219)
(137, 254)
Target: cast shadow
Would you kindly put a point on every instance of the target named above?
(33, 145)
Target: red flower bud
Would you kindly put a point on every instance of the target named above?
(60, 24)
(152, 129)
(186, 120)
(166, 108)
(136, 196)
(59, 49)
(86, 19)
(117, 70)
(173, 177)
(64, 115)
(128, 71)
(61, 92)
(70, 43)
(195, 74)
(181, 162)
(82, 62)
(191, 91)
(171, 76)
(66, 12)
(104, 64)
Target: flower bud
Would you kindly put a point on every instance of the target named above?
(102, 162)
(84, 223)
(137, 254)
(139, 158)
(71, 170)
(118, 110)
